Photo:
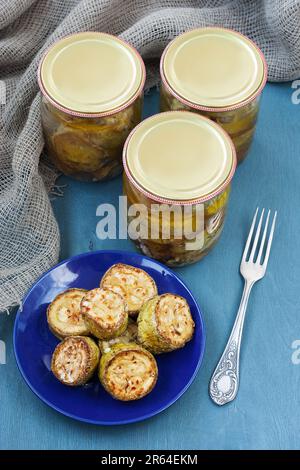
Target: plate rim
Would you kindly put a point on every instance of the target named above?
(124, 421)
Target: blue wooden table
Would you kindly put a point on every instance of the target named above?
(266, 413)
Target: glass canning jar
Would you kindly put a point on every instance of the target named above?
(178, 168)
(218, 73)
(92, 89)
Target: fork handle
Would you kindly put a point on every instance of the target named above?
(224, 382)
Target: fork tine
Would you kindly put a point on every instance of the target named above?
(256, 236)
(249, 236)
(270, 241)
(262, 243)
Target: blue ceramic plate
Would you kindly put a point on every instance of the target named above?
(34, 344)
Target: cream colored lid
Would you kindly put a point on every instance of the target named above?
(91, 72)
(213, 67)
(179, 155)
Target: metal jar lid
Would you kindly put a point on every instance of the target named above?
(91, 74)
(179, 157)
(213, 69)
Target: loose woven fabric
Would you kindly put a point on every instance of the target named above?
(29, 235)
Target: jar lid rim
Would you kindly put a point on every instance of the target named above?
(214, 96)
(64, 89)
(149, 180)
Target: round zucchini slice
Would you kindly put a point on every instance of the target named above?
(75, 360)
(165, 323)
(64, 315)
(128, 371)
(134, 284)
(105, 313)
(129, 336)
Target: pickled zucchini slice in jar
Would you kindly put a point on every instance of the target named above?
(128, 371)
(64, 315)
(133, 284)
(165, 323)
(105, 313)
(217, 203)
(129, 336)
(89, 148)
(75, 360)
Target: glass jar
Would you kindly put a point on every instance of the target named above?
(218, 73)
(92, 86)
(178, 168)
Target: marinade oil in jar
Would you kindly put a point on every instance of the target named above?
(178, 168)
(92, 88)
(218, 73)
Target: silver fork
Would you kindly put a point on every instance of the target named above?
(224, 382)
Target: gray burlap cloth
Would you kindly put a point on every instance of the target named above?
(29, 235)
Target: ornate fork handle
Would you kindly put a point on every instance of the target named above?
(224, 382)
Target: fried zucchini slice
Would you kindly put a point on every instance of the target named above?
(165, 323)
(105, 313)
(133, 284)
(75, 360)
(64, 315)
(128, 371)
(129, 336)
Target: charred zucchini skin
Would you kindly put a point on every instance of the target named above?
(89, 368)
(129, 336)
(104, 332)
(115, 351)
(122, 270)
(149, 335)
(59, 332)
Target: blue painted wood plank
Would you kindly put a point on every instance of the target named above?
(266, 413)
